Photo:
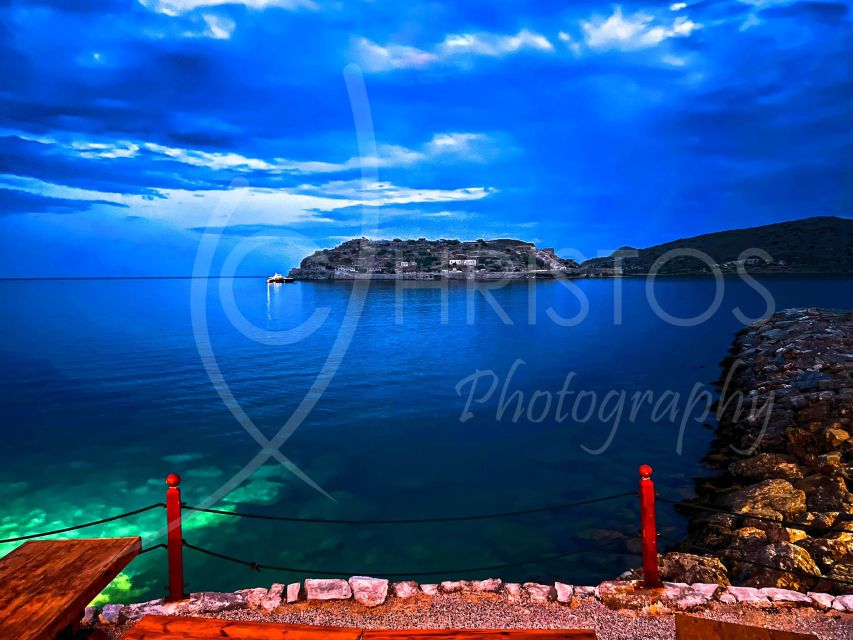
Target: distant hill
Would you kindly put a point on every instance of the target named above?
(813, 245)
(424, 258)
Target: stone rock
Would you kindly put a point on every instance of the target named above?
(825, 493)
(512, 591)
(843, 603)
(689, 568)
(786, 596)
(821, 600)
(835, 438)
(539, 593)
(206, 602)
(111, 614)
(132, 612)
(709, 590)
(450, 586)
(371, 592)
(767, 465)
(683, 597)
(626, 594)
(489, 585)
(787, 557)
(327, 589)
(775, 498)
(406, 589)
(564, 592)
(727, 598)
(254, 596)
(430, 589)
(748, 595)
(90, 614)
(272, 600)
(585, 592)
(293, 592)
(826, 552)
(842, 571)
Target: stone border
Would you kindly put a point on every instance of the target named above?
(373, 592)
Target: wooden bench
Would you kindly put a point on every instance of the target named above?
(46, 584)
(186, 628)
(479, 634)
(696, 628)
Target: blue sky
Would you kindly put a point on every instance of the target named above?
(127, 127)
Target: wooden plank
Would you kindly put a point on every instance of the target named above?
(46, 584)
(695, 628)
(187, 628)
(480, 634)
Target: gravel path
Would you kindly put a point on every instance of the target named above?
(492, 611)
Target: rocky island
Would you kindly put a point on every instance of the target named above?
(424, 259)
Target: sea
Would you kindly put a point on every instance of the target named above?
(336, 410)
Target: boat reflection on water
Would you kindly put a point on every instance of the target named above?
(277, 278)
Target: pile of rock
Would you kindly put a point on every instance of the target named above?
(373, 592)
(790, 484)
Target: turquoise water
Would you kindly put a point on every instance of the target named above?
(105, 391)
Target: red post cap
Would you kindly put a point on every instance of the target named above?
(173, 480)
(645, 471)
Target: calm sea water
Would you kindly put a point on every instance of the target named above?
(105, 391)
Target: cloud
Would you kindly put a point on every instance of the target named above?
(218, 27)
(385, 193)
(177, 7)
(14, 201)
(489, 44)
(461, 46)
(627, 33)
(307, 203)
(463, 146)
(374, 57)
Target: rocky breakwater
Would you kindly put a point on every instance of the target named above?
(781, 508)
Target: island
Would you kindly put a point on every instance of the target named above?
(424, 259)
(818, 245)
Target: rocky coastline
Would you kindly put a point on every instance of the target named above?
(778, 512)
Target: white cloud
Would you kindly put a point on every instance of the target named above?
(464, 146)
(673, 61)
(374, 57)
(385, 193)
(248, 205)
(565, 37)
(219, 27)
(460, 46)
(177, 7)
(490, 44)
(637, 31)
(677, 6)
(104, 150)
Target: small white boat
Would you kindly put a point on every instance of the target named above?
(277, 278)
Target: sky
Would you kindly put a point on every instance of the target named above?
(137, 134)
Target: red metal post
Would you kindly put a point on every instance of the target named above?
(174, 539)
(651, 579)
